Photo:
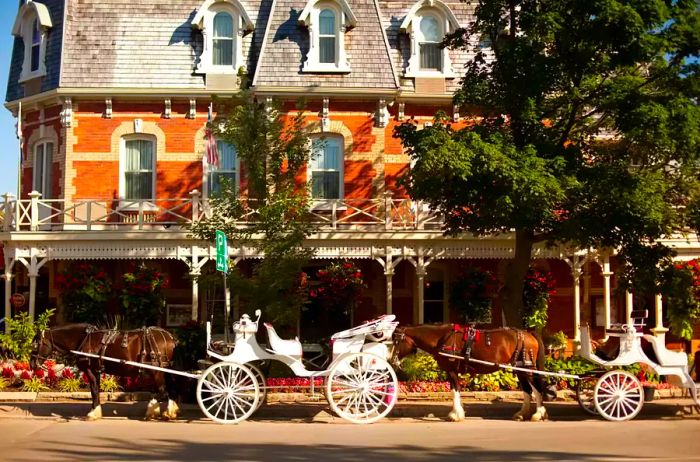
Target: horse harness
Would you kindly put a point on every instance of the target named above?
(150, 352)
(521, 356)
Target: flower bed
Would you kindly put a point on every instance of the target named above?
(18, 376)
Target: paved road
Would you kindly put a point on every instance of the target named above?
(657, 435)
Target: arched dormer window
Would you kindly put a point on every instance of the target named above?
(328, 21)
(426, 23)
(223, 24)
(32, 25)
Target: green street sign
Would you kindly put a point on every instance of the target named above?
(221, 252)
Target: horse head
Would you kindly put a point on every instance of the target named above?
(403, 346)
(42, 347)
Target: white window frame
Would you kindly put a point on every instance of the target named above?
(208, 169)
(344, 20)
(43, 184)
(204, 20)
(411, 26)
(328, 203)
(422, 40)
(133, 204)
(30, 15)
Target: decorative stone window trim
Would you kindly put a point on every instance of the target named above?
(32, 14)
(411, 26)
(204, 21)
(344, 20)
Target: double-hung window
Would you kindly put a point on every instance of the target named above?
(223, 40)
(35, 55)
(139, 169)
(430, 35)
(43, 160)
(326, 169)
(227, 171)
(327, 36)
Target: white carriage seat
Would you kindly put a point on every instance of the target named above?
(664, 356)
(281, 346)
(638, 321)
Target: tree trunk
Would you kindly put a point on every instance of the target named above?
(512, 291)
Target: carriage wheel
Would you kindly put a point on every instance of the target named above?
(585, 392)
(618, 395)
(260, 377)
(228, 392)
(362, 388)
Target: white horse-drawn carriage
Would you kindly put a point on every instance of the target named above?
(360, 384)
(616, 394)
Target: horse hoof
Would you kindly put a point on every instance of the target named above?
(519, 417)
(454, 417)
(95, 414)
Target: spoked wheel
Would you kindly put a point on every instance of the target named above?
(585, 391)
(362, 388)
(228, 392)
(260, 378)
(618, 395)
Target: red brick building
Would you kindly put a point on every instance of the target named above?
(114, 99)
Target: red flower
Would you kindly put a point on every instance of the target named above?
(39, 373)
(25, 375)
(67, 374)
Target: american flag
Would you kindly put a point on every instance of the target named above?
(210, 143)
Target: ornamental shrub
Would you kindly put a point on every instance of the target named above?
(538, 287)
(680, 286)
(422, 367)
(17, 343)
(142, 297)
(339, 286)
(85, 291)
(191, 345)
(471, 295)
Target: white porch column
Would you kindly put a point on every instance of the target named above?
(389, 273)
(576, 273)
(606, 293)
(8, 292)
(629, 306)
(659, 330)
(194, 274)
(421, 272)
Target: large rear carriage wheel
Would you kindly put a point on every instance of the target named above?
(618, 396)
(362, 388)
(228, 392)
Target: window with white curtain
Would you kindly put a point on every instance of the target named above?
(139, 169)
(223, 40)
(43, 160)
(227, 171)
(430, 36)
(326, 168)
(327, 36)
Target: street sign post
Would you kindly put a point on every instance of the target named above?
(221, 252)
(222, 265)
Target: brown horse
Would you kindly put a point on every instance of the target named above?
(451, 344)
(150, 345)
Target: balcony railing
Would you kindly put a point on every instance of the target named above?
(36, 214)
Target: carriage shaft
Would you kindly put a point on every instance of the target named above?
(523, 369)
(136, 364)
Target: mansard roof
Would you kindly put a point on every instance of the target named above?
(287, 42)
(151, 44)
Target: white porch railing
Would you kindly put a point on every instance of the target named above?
(36, 214)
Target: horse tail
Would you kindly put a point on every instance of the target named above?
(539, 362)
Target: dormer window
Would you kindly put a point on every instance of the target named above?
(328, 21)
(426, 24)
(32, 25)
(223, 24)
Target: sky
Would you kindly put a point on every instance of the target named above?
(9, 148)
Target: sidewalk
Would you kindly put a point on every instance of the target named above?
(317, 410)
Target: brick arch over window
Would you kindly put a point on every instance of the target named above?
(148, 128)
(338, 128)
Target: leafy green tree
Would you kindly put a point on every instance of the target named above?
(587, 131)
(273, 217)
